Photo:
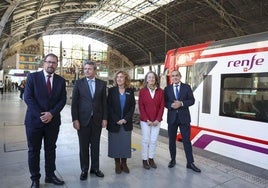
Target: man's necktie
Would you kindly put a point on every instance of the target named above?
(177, 92)
(91, 87)
(48, 84)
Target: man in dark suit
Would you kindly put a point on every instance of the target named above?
(178, 97)
(89, 115)
(42, 120)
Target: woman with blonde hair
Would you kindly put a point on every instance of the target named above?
(121, 106)
(151, 106)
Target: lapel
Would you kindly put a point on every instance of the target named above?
(86, 86)
(43, 83)
(181, 91)
(117, 98)
(172, 91)
(98, 86)
(54, 84)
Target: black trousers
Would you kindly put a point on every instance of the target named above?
(185, 132)
(48, 133)
(89, 137)
(21, 93)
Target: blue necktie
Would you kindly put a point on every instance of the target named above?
(177, 92)
(91, 87)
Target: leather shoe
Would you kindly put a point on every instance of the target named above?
(97, 173)
(83, 175)
(172, 163)
(152, 163)
(193, 167)
(145, 164)
(35, 184)
(54, 179)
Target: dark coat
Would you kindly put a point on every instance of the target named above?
(83, 104)
(38, 100)
(114, 109)
(186, 96)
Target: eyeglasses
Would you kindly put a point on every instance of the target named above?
(52, 62)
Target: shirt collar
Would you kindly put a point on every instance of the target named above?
(178, 84)
(46, 74)
(93, 79)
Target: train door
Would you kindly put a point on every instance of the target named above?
(199, 78)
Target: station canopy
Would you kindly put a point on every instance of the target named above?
(135, 28)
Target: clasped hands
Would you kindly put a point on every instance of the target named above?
(46, 117)
(176, 104)
(153, 123)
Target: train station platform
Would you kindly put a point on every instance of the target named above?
(217, 171)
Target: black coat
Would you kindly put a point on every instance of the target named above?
(114, 109)
(83, 104)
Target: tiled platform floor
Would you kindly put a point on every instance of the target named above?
(217, 171)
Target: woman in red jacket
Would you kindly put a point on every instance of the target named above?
(151, 107)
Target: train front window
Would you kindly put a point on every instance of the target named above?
(245, 96)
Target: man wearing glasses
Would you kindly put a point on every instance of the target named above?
(45, 96)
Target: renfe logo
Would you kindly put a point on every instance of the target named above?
(246, 63)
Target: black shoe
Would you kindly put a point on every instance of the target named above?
(193, 167)
(97, 173)
(54, 179)
(172, 163)
(83, 175)
(35, 184)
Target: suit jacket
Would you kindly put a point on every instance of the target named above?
(38, 100)
(182, 113)
(114, 109)
(83, 104)
(151, 108)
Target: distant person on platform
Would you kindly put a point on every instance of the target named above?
(21, 88)
(89, 115)
(151, 107)
(178, 98)
(1, 87)
(45, 96)
(121, 106)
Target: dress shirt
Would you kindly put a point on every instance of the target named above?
(51, 78)
(152, 92)
(175, 87)
(92, 82)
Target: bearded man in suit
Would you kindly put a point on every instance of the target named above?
(45, 97)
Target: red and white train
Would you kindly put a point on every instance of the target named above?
(229, 79)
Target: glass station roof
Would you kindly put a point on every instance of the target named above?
(114, 13)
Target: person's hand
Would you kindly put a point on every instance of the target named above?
(76, 124)
(46, 117)
(155, 123)
(149, 122)
(121, 122)
(176, 104)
